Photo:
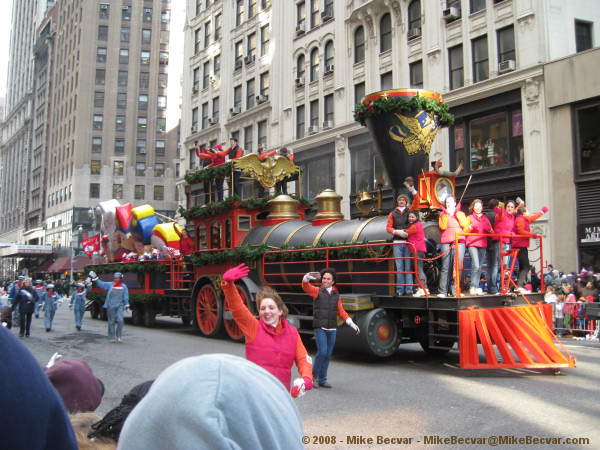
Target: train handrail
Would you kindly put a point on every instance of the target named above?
(504, 283)
(329, 259)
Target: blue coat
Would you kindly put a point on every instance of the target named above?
(108, 286)
(50, 301)
(25, 303)
(82, 295)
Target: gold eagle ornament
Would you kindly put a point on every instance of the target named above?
(418, 137)
(266, 173)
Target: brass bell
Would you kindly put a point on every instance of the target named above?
(364, 202)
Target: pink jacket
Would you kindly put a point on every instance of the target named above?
(504, 224)
(416, 236)
(478, 225)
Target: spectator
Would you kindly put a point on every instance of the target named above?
(214, 401)
(271, 342)
(536, 282)
(77, 385)
(569, 307)
(82, 425)
(32, 415)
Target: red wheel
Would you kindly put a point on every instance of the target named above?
(208, 311)
(231, 327)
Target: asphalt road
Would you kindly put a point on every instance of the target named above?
(412, 397)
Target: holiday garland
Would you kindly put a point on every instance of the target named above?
(134, 299)
(382, 105)
(136, 267)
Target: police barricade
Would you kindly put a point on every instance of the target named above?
(580, 320)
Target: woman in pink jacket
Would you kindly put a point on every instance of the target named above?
(521, 241)
(477, 245)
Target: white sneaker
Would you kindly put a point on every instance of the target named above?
(419, 293)
(441, 295)
(524, 291)
(479, 291)
(472, 291)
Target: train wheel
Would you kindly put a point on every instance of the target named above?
(149, 316)
(208, 311)
(233, 331)
(136, 315)
(95, 310)
(379, 331)
(447, 343)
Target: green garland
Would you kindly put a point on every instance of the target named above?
(216, 208)
(135, 267)
(209, 173)
(134, 299)
(381, 105)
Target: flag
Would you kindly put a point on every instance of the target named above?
(91, 245)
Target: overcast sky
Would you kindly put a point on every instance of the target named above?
(4, 44)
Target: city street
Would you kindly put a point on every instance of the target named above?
(410, 398)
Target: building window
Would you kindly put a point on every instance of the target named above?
(125, 34)
(314, 113)
(98, 122)
(126, 13)
(300, 13)
(314, 64)
(387, 81)
(215, 107)
(314, 13)
(96, 145)
(251, 9)
(140, 169)
(385, 26)
(95, 167)
(161, 102)
(160, 148)
(161, 124)
(328, 54)
(359, 45)
(141, 147)
(139, 192)
(124, 56)
(261, 128)
(159, 170)
(328, 6)
(583, 35)
(101, 54)
(104, 11)
(301, 67)
(120, 123)
(204, 115)
(300, 121)
(252, 44)
(239, 12)
(117, 191)
(119, 146)
(455, 57)
(218, 26)
(480, 59)
(147, 15)
(165, 16)
(248, 136)
(239, 51)
(145, 57)
(414, 15)
(163, 57)
(144, 80)
(94, 190)
(317, 174)
(205, 75)
(359, 92)
(118, 168)
(102, 33)
(368, 170)
(195, 119)
(142, 124)
(98, 99)
(206, 34)
(264, 83)
(328, 110)
(163, 80)
(143, 101)
(122, 78)
(416, 75)
(250, 94)
(100, 76)
(237, 96)
(476, 5)
(265, 36)
(588, 138)
(506, 44)
(159, 192)
(217, 66)
(146, 36)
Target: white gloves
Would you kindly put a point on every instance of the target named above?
(401, 233)
(127, 309)
(410, 188)
(352, 325)
(59, 302)
(93, 275)
(311, 276)
(55, 358)
(71, 306)
(88, 281)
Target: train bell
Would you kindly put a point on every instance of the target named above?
(283, 207)
(365, 202)
(329, 207)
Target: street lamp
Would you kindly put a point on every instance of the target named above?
(74, 236)
(92, 215)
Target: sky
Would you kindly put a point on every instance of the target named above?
(4, 45)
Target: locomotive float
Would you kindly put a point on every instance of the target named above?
(274, 238)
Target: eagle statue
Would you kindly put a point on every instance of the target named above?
(266, 173)
(419, 135)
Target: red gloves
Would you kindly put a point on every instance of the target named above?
(301, 385)
(236, 273)
(545, 209)
(535, 236)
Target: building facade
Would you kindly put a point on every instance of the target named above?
(290, 73)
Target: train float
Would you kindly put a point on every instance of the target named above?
(274, 238)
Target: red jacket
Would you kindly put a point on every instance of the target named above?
(479, 225)
(416, 236)
(186, 245)
(275, 350)
(504, 224)
(522, 227)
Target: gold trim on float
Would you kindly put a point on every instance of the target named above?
(362, 227)
(291, 235)
(277, 225)
(358, 307)
(320, 233)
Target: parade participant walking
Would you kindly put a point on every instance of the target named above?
(271, 342)
(326, 307)
(451, 221)
(477, 245)
(233, 152)
(25, 300)
(521, 241)
(15, 288)
(78, 301)
(51, 302)
(39, 290)
(117, 300)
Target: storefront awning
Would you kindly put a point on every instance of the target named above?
(63, 264)
(23, 251)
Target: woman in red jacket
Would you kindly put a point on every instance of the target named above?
(416, 236)
(477, 245)
(521, 241)
(271, 342)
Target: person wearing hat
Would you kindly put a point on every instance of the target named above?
(78, 300)
(14, 289)
(39, 289)
(117, 300)
(50, 300)
(77, 385)
(216, 159)
(25, 300)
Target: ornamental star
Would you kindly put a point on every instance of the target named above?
(385, 96)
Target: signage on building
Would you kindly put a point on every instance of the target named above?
(589, 234)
